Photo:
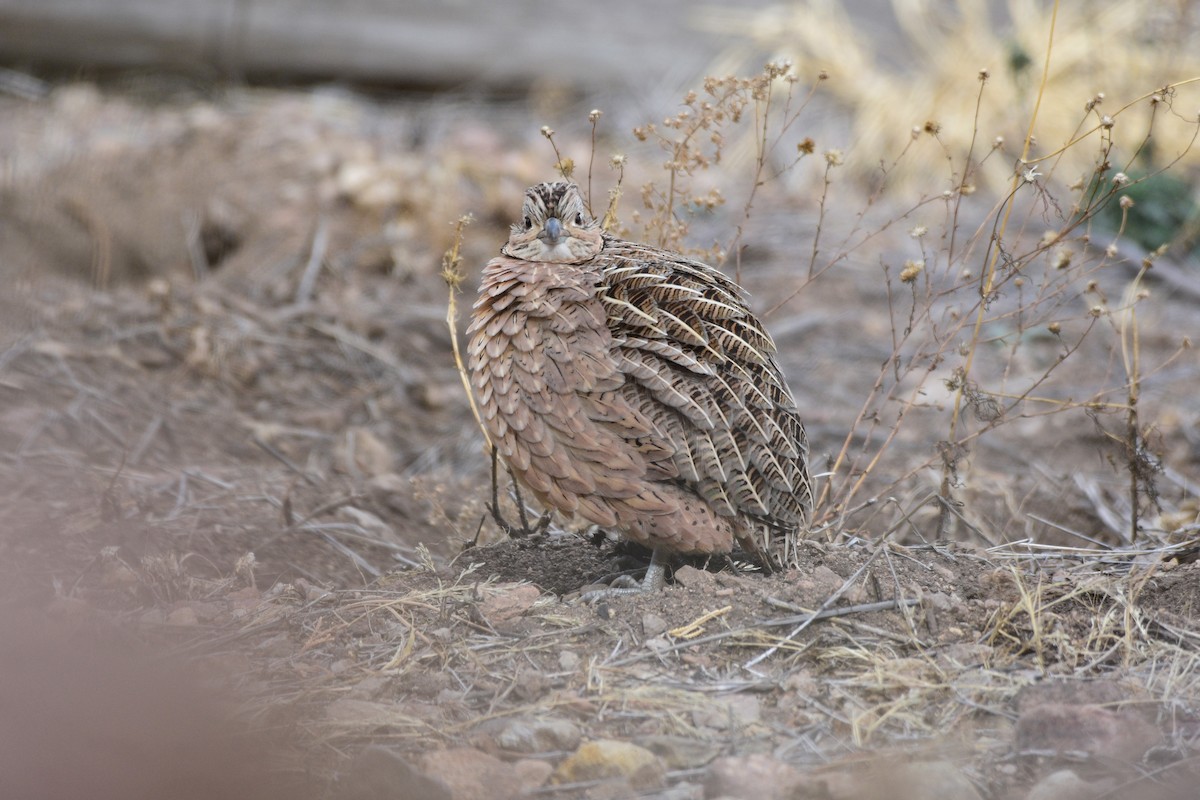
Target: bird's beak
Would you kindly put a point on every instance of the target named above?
(552, 231)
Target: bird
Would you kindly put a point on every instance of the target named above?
(634, 387)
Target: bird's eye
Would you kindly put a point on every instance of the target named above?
(528, 223)
(579, 219)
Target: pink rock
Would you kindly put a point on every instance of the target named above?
(753, 777)
(532, 773)
(506, 601)
(471, 774)
(1095, 730)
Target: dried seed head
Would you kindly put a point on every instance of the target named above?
(984, 74)
(833, 158)
(932, 127)
(1062, 259)
(986, 408)
(911, 270)
(777, 69)
(1106, 122)
(594, 115)
(547, 131)
(918, 231)
(1120, 179)
(807, 146)
(1055, 328)
(1126, 201)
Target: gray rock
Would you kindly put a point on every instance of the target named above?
(539, 735)
(1066, 785)
(736, 711)
(653, 625)
(680, 752)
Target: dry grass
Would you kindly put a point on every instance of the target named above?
(865, 679)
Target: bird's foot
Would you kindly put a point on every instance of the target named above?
(656, 578)
(513, 531)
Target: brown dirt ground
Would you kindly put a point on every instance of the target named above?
(288, 490)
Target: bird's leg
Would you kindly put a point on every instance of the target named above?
(494, 506)
(656, 573)
(525, 531)
(512, 530)
(656, 578)
(543, 521)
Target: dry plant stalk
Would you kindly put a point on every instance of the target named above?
(695, 139)
(989, 278)
(934, 286)
(453, 275)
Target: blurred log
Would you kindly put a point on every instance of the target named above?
(434, 43)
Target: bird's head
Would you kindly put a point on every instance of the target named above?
(554, 226)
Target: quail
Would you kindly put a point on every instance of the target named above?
(634, 387)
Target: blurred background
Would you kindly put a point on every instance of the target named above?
(245, 205)
(416, 44)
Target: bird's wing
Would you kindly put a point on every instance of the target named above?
(701, 368)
